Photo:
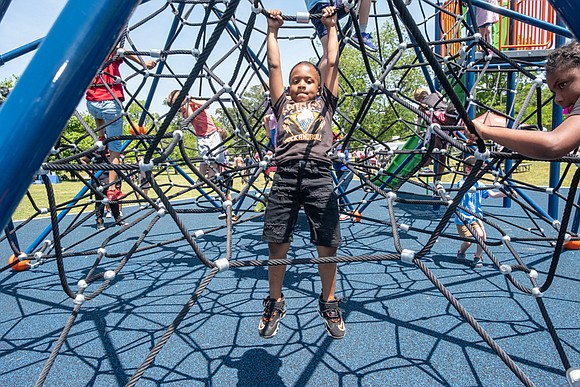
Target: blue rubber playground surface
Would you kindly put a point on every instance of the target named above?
(401, 330)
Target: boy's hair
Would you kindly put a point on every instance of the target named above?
(469, 162)
(564, 58)
(305, 62)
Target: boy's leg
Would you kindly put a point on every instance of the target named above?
(327, 272)
(276, 273)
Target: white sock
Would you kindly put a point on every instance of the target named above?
(363, 28)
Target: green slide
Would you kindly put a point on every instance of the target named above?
(402, 164)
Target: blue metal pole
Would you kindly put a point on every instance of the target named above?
(528, 19)
(20, 51)
(4, 4)
(568, 12)
(46, 95)
(555, 167)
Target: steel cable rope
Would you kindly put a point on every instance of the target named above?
(171, 328)
(232, 6)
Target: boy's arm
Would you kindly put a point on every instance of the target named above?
(329, 21)
(274, 67)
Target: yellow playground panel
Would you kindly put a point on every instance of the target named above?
(510, 35)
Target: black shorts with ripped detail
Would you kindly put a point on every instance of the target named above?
(302, 183)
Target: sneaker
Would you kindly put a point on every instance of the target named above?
(120, 222)
(573, 377)
(460, 257)
(333, 321)
(477, 262)
(100, 224)
(367, 39)
(108, 215)
(274, 311)
(344, 217)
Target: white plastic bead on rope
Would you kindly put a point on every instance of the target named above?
(472, 189)
(155, 53)
(537, 293)
(302, 17)
(41, 171)
(44, 211)
(505, 269)
(481, 155)
(376, 85)
(404, 227)
(198, 233)
(195, 52)
(105, 200)
(79, 299)
(477, 37)
(549, 190)
(161, 212)
(38, 255)
(556, 224)
(146, 167)
(82, 284)
(497, 185)
(101, 251)
(402, 46)
(446, 59)
(227, 204)
(391, 195)
(255, 9)
(222, 264)
(109, 275)
(506, 238)
(539, 81)
(407, 256)
(227, 88)
(178, 134)
(533, 274)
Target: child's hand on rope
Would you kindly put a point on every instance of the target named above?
(275, 20)
(329, 17)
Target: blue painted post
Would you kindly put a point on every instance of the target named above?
(46, 95)
(555, 167)
(19, 51)
(568, 13)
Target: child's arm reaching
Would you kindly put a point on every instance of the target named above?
(540, 145)
(276, 83)
(329, 21)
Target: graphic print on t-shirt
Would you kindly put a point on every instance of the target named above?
(302, 122)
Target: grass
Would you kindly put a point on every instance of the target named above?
(537, 175)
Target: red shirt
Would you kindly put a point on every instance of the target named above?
(203, 124)
(98, 92)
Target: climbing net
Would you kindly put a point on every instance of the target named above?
(161, 157)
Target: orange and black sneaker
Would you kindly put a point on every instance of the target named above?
(331, 313)
(274, 311)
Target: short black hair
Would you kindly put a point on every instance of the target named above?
(564, 58)
(305, 62)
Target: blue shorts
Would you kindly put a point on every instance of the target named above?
(109, 111)
(302, 183)
(320, 27)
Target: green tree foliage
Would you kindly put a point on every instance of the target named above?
(384, 119)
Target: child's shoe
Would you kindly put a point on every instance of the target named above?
(333, 322)
(100, 224)
(367, 39)
(120, 222)
(477, 262)
(460, 257)
(274, 311)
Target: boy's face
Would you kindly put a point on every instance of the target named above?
(304, 83)
(565, 84)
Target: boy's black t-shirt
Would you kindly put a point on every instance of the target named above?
(305, 128)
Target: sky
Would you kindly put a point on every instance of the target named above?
(28, 20)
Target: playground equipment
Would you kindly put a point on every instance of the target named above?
(61, 73)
